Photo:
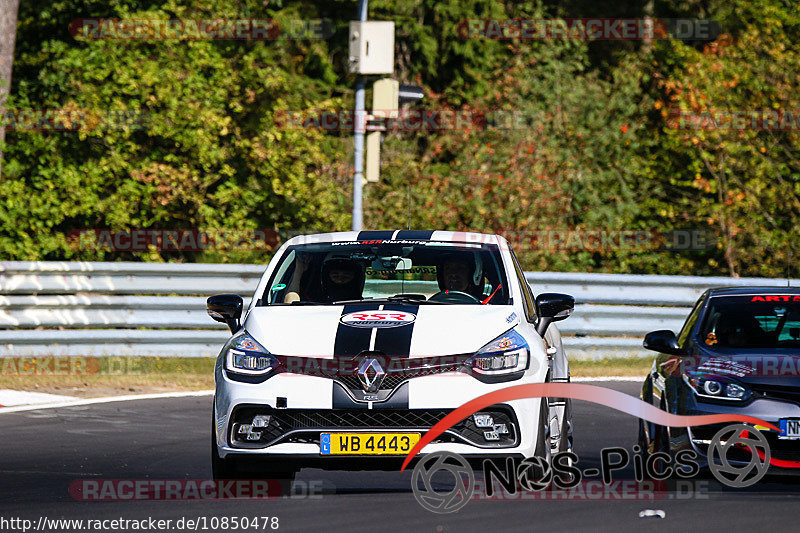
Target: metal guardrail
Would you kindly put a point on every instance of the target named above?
(85, 308)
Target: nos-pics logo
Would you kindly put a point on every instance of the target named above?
(444, 482)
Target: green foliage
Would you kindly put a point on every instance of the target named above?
(589, 146)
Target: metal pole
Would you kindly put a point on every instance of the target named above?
(358, 130)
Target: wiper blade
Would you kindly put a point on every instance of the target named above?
(401, 299)
(412, 300)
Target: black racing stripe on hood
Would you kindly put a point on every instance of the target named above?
(372, 235)
(415, 235)
(350, 340)
(396, 341)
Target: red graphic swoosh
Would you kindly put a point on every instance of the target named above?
(578, 391)
(780, 463)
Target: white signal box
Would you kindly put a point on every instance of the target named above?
(371, 47)
(385, 98)
(373, 167)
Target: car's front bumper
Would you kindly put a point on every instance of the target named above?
(785, 453)
(301, 407)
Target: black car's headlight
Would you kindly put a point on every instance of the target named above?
(246, 356)
(716, 387)
(506, 354)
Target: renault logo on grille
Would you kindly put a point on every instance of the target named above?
(371, 375)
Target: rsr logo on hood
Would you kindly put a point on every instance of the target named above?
(378, 319)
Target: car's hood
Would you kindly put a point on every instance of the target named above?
(425, 330)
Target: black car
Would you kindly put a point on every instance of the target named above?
(738, 352)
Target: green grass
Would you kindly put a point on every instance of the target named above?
(615, 366)
(105, 376)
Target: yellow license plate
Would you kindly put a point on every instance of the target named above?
(367, 443)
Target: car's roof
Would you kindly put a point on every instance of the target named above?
(398, 235)
(749, 291)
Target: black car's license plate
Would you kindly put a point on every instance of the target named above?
(790, 428)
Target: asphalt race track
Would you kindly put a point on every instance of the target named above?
(44, 451)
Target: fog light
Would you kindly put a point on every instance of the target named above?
(244, 429)
(501, 429)
(483, 420)
(491, 435)
(261, 421)
(253, 435)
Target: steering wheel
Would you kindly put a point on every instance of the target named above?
(454, 297)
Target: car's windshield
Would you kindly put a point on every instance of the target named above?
(419, 271)
(753, 321)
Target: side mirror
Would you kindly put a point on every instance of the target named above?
(226, 308)
(552, 308)
(662, 341)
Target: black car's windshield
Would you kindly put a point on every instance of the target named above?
(415, 271)
(752, 321)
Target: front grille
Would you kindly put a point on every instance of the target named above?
(393, 379)
(304, 425)
(397, 370)
(360, 418)
(784, 449)
(776, 392)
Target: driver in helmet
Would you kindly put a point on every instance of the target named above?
(456, 272)
(342, 279)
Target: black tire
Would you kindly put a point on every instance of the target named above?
(543, 438)
(660, 435)
(642, 440)
(220, 468)
(566, 443)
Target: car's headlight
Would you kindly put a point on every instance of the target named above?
(506, 354)
(246, 356)
(716, 387)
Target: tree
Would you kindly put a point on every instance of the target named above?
(8, 34)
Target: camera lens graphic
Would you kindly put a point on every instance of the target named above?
(447, 500)
(738, 455)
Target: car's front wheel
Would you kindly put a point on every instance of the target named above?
(220, 468)
(543, 449)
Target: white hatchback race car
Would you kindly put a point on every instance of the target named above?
(356, 343)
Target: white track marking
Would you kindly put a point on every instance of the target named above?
(11, 398)
(107, 399)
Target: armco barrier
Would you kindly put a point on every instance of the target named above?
(82, 308)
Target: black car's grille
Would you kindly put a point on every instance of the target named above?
(303, 423)
(783, 449)
(776, 392)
